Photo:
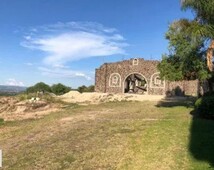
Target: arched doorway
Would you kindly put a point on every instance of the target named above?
(135, 83)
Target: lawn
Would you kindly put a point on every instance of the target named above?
(116, 135)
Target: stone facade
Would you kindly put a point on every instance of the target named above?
(138, 76)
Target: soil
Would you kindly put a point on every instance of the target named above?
(13, 109)
(96, 98)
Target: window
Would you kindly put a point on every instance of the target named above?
(115, 80)
(135, 61)
(157, 81)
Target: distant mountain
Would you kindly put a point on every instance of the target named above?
(11, 89)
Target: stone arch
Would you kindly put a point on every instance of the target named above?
(156, 82)
(115, 80)
(138, 88)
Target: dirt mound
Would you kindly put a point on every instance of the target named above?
(13, 109)
(71, 94)
(95, 98)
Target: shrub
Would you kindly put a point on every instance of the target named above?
(39, 87)
(205, 106)
(24, 96)
(198, 103)
(209, 93)
(60, 89)
(83, 88)
(1, 121)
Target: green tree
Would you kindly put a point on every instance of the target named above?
(60, 89)
(84, 88)
(203, 23)
(39, 87)
(91, 88)
(186, 59)
(204, 9)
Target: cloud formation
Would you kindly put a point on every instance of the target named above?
(64, 73)
(14, 82)
(64, 42)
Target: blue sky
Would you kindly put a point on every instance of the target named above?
(64, 41)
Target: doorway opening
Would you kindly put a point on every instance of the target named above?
(136, 83)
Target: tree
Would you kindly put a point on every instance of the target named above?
(186, 59)
(204, 23)
(84, 88)
(60, 89)
(91, 88)
(39, 87)
(204, 9)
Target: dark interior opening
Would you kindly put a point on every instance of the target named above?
(135, 83)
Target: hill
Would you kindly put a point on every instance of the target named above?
(9, 90)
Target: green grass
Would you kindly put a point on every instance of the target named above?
(116, 135)
(1, 121)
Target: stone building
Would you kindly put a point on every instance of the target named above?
(139, 76)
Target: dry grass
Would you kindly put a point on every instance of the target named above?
(121, 135)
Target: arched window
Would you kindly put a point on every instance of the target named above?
(156, 82)
(135, 61)
(115, 80)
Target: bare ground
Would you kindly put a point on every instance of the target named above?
(13, 109)
(96, 98)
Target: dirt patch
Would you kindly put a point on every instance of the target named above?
(12, 109)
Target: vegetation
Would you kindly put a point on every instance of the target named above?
(205, 106)
(116, 135)
(186, 60)
(1, 121)
(7, 94)
(191, 45)
(84, 88)
(204, 9)
(39, 87)
(188, 44)
(60, 89)
(57, 89)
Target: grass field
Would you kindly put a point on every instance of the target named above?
(119, 135)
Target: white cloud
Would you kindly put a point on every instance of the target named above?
(63, 73)
(14, 82)
(60, 66)
(64, 42)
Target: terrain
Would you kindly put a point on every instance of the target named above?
(112, 135)
(13, 108)
(11, 90)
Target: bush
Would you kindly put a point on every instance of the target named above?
(60, 89)
(198, 103)
(24, 96)
(1, 121)
(83, 88)
(205, 106)
(39, 87)
(209, 93)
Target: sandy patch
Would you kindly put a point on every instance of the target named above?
(95, 98)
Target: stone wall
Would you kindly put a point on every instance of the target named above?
(180, 88)
(124, 69)
(110, 78)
